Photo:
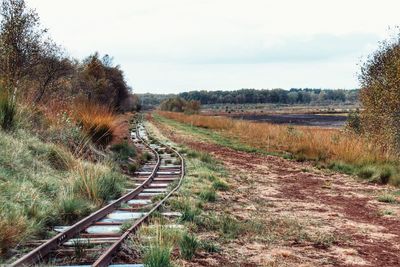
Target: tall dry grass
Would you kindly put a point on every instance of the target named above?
(308, 142)
(98, 121)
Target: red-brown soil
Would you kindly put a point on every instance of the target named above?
(340, 207)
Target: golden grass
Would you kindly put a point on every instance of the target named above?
(309, 142)
(97, 121)
(11, 231)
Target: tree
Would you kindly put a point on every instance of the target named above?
(20, 41)
(380, 94)
(53, 66)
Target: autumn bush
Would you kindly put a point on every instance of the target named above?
(380, 95)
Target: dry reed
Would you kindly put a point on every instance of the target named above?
(310, 142)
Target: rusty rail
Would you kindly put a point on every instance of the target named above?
(40, 252)
(106, 258)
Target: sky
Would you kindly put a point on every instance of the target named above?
(171, 46)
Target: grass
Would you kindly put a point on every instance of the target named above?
(97, 183)
(387, 198)
(188, 246)
(97, 121)
(220, 185)
(123, 151)
(208, 195)
(7, 111)
(70, 209)
(230, 227)
(158, 256)
(333, 148)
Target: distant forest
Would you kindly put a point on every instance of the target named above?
(306, 96)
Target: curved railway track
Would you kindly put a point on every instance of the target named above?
(100, 233)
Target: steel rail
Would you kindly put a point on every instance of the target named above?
(40, 252)
(106, 258)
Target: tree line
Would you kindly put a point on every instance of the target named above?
(274, 96)
(36, 69)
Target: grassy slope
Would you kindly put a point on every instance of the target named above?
(41, 185)
(374, 171)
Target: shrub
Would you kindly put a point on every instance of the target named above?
(158, 256)
(188, 246)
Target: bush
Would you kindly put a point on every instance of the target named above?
(188, 246)
(380, 94)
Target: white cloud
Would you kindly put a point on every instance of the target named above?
(226, 44)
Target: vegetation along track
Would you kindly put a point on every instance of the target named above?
(100, 235)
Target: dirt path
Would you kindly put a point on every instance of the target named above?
(342, 223)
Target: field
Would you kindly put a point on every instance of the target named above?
(284, 211)
(321, 120)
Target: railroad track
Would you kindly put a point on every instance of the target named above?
(100, 235)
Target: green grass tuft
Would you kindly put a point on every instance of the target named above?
(188, 246)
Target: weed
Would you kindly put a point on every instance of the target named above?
(97, 183)
(188, 246)
(123, 151)
(7, 111)
(387, 198)
(146, 156)
(189, 213)
(158, 256)
(70, 209)
(386, 213)
(132, 167)
(97, 121)
(208, 195)
(220, 185)
(367, 172)
(125, 226)
(230, 227)
(209, 246)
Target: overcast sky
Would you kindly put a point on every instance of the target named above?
(179, 45)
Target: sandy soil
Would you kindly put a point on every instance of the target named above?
(340, 215)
